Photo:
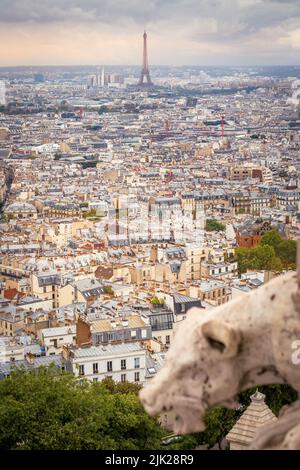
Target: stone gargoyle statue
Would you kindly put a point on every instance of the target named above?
(252, 340)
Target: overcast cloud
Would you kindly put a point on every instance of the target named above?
(180, 31)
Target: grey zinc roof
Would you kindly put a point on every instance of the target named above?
(60, 330)
(179, 298)
(7, 367)
(109, 350)
(87, 284)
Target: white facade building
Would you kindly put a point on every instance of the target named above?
(53, 339)
(121, 362)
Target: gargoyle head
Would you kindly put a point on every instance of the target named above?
(200, 371)
(217, 354)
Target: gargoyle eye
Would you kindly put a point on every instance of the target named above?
(216, 344)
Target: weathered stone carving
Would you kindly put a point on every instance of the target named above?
(216, 354)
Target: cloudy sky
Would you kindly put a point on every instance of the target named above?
(204, 32)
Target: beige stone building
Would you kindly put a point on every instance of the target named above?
(213, 292)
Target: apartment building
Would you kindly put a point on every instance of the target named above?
(212, 291)
(121, 362)
(11, 321)
(85, 290)
(219, 270)
(129, 329)
(53, 339)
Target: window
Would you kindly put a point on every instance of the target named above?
(95, 368)
(133, 334)
(136, 376)
(168, 339)
(136, 362)
(123, 364)
(54, 342)
(109, 366)
(144, 334)
(123, 378)
(44, 289)
(81, 369)
(183, 308)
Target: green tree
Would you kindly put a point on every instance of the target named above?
(277, 396)
(51, 410)
(108, 290)
(90, 213)
(220, 420)
(214, 225)
(271, 238)
(120, 387)
(262, 257)
(188, 442)
(8, 216)
(156, 301)
(286, 250)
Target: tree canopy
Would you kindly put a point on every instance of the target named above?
(262, 257)
(90, 213)
(285, 250)
(51, 410)
(220, 420)
(156, 301)
(271, 238)
(272, 254)
(213, 225)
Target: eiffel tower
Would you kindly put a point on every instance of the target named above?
(145, 74)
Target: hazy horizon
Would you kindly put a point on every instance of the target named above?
(180, 32)
(152, 66)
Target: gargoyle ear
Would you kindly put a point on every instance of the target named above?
(221, 337)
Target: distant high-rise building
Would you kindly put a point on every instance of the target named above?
(145, 68)
(103, 77)
(2, 93)
(39, 78)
